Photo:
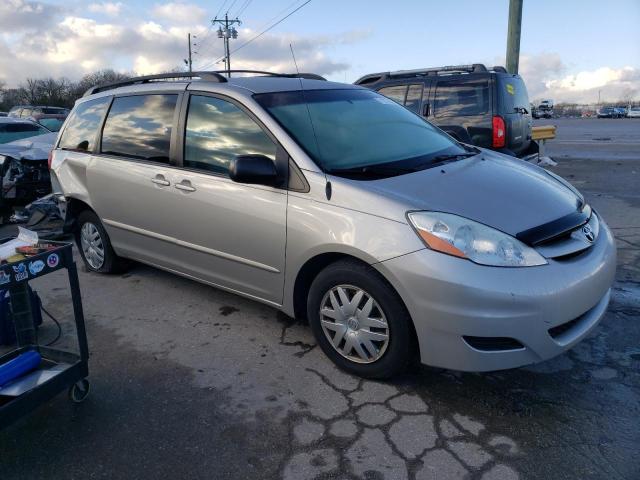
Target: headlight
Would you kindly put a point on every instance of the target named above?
(465, 238)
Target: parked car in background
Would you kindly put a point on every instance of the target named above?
(26, 111)
(3, 114)
(24, 173)
(475, 105)
(634, 112)
(545, 109)
(332, 202)
(16, 129)
(51, 121)
(609, 112)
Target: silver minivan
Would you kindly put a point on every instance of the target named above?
(335, 204)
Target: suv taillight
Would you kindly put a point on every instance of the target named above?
(50, 159)
(499, 133)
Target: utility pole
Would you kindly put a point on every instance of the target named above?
(513, 35)
(189, 61)
(227, 31)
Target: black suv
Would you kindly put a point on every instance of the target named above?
(484, 107)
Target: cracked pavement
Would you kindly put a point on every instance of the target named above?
(192, 382)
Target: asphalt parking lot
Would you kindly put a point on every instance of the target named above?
(192, 382)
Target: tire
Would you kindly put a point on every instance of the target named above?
(382, 358)
(99, 256)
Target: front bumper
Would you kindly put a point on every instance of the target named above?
(449, 298)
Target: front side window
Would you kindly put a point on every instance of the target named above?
(83, 125)
(461, 98)
(217, 131)
(396, 93)
(357, 128)
(139, 126)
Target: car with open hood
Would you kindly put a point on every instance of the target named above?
(336, 204)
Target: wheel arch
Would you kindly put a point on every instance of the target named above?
(314, 265)
(74, 206)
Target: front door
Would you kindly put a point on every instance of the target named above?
(229, 234)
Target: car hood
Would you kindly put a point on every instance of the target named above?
(32, 148)
(500, 191)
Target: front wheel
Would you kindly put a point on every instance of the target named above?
(359, 321)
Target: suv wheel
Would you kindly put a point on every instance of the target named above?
(359, 321)
(95, 246)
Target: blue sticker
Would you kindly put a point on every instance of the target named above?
(53, 260)
(20, 272)
(4, 277)
(36, 267)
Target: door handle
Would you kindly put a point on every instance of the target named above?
(185, 186)
(160, 180)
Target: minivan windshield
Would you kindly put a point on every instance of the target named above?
(360, 132)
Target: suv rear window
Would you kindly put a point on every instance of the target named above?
(395, 93)
(140, 127)
(513, 94)
(83, 125)
(461, 98)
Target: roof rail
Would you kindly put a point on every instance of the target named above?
(419, 72)
(308, 76)
(500, 69)
(209, 76)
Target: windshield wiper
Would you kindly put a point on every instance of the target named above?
(452, 157)
(373, 170)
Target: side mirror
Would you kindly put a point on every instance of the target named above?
(253, 169)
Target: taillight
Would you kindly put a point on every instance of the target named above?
(499, 133)
(50, 159)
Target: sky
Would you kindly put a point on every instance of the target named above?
(571, 50)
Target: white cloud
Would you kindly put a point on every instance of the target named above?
(547, 76)
(181, 13)
(106, 8)
(70, 46)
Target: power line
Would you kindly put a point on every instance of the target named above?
(220, 9)
(242, 8)
(231, 6)
(261, 33)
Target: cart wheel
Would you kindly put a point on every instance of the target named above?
(79, 391)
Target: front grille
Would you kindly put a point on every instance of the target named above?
(493, 344)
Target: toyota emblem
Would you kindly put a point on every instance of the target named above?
(588, 233)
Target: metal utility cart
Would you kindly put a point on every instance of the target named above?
(58, 370)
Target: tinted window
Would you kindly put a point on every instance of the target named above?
(353, 128)
(140, 127)
(83, 125)
(514, 94)
(396, 93)
(217, 131)
(53, 110)
(414, 98)
(461, 98)
(10, 132)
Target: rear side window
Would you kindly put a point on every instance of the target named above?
(140, 127)
(396, 93)
(217, 131)
(461, 98)
(414, 98)
(83, 125)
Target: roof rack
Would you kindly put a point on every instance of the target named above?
(420, 72)
(308, 76)
(207, 76)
